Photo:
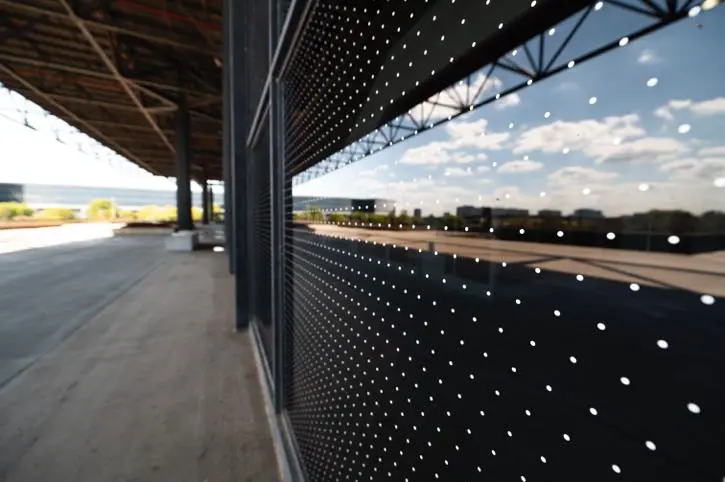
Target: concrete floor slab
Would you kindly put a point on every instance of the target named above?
(157, 387)
(46, 293)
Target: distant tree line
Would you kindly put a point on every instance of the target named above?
(12, 210)
(655, 221)
(99, 210)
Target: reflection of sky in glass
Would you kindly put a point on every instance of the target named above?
(636, 129)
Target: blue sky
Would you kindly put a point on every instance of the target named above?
(654, 137)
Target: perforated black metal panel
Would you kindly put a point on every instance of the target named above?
(361, 64)
(546, 378)
(565, 323)
(260, 259)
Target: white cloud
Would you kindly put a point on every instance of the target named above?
(709, 107)
(467, 158)
(647, 149)
(664, 113)
(579, 175)
(429, 154)
(704, 108)
(462, 158)
(680, 104)
(510, 100)
(466, 130)
(463, 135)
(705, 169)
(580, 135)
(612, 139)
(473, 135)
(521, 166)
(493, 141)
(712, 151)
(457, 172)
(483, 169)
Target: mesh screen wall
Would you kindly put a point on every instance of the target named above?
(542, 299)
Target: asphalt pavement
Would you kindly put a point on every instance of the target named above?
(131, 381)
(48, 292)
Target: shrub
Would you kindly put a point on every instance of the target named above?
(12, 210)
(101, 209)
(154, 213)
(128, 215)
(56, 214)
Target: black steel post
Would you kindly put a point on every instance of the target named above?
(211, 204)
(238, 129)
(183, 164)
(277, 210)
(205, 201)
(227, 136)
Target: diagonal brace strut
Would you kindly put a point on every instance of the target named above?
(112, 67)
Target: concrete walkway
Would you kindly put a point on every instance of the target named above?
(46, 293)
(156, 387)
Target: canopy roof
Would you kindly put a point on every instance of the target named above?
(117, 70)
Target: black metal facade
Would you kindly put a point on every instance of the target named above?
(415, 346)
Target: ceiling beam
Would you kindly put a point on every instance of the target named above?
(105, 27)
(12, 30)
(88, 128)
(205, 116)
(100, 103)
(135, 127)
(196, 150)
(212, 100)
(166, 109)
(112, 67)
(138, 83)
(198, 113)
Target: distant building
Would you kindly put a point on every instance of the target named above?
(417, 213)
(586, 213)
(550, 213)
(343, 205)
(509, 212)
(469, 212)
(77, 198)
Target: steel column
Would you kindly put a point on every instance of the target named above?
(205, 201)
(277, 212)
(227, 137)
(211, 204)
(183, 164)
(240, 199)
